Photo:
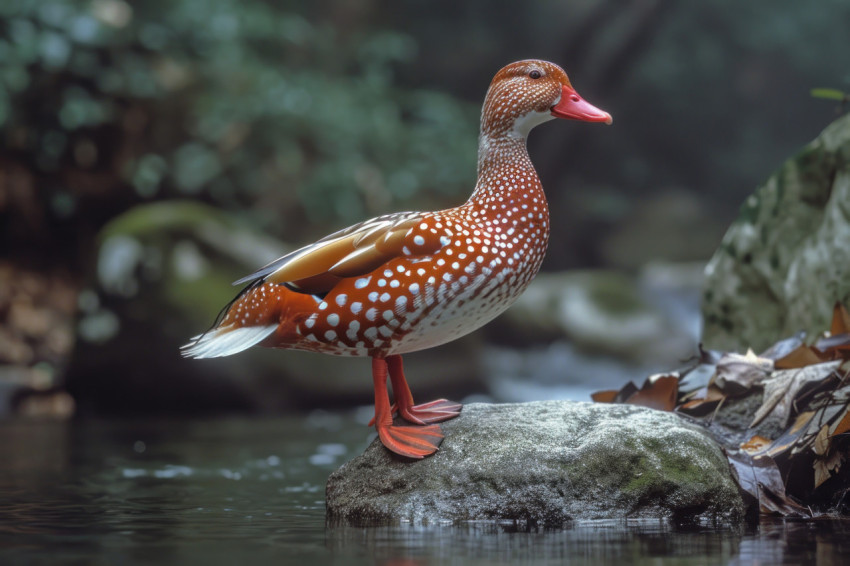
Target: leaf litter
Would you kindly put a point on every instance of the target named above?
(803, 387)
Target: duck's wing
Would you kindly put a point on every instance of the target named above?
(350, 252)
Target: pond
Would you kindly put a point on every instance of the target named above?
(231, 490)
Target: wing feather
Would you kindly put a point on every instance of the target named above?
(369, 235)
(360, 261)
(354, 251)
(313, 261)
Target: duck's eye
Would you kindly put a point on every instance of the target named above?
(535, 74)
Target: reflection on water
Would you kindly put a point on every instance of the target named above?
(227, 491)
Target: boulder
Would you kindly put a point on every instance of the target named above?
(545, 463)
(786, 260)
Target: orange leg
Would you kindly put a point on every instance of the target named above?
(413, 442)
(426, 413)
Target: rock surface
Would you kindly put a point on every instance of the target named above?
(545, 462)
(786, 259)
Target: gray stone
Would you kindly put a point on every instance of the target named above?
(547, 463)
(786, 259)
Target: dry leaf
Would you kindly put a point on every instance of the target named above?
(659, 393)
(827, 409)
(606, 396)
(625, 392)
(756, 444)
(737, 374)
(825, 467)
(800, 357)
(698, 407)
(835, 346)
(843, 424)
(824, 415)
(760, 477)
(821, 445)
(821, 472)
(806, 385)
(783, 388)
(793, 436)
(703, 401)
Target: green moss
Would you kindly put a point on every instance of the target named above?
(668, 470)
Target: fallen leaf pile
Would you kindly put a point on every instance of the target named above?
(804, 388)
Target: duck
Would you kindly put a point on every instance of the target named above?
(409, 281)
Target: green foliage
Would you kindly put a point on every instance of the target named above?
(245, 104)
(829, 94)
(832, 94)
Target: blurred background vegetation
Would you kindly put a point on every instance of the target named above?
(151, 152)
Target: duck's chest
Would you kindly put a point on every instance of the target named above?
(492, 258)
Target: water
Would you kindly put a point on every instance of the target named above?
(230, 491)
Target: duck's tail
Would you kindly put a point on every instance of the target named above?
(226, 341)
(247, 320)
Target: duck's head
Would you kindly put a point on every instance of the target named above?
(527, 93)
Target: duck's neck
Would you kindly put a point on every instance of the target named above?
(505, 171)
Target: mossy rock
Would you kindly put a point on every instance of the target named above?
(786, 259)
(545, 463)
